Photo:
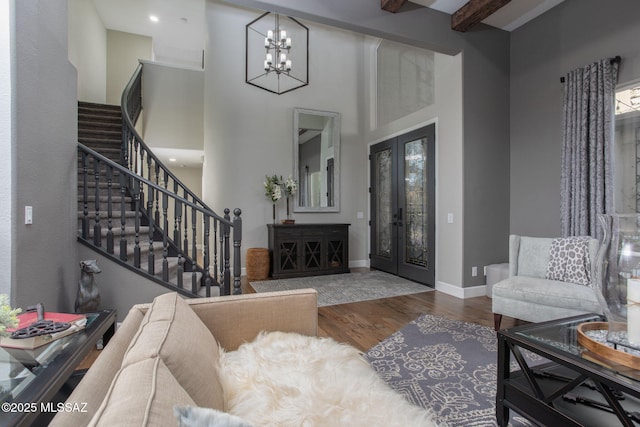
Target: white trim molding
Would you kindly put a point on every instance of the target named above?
(463, 293)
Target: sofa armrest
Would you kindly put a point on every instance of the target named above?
(96, 382)
(236, 319)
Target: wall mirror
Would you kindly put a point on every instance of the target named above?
(316, 160)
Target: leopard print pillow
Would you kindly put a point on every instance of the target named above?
(569, 260)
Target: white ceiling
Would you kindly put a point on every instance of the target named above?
(182, 22)
(179, 35)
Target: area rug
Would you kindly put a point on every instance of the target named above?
(445, 365)
(336, 289)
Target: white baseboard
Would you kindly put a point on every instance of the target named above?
(458, 292)
(359, 263)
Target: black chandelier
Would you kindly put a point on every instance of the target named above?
(277, 53)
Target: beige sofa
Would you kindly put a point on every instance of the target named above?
(162, 355)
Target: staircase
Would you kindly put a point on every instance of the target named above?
(132, 209)
(100, 128)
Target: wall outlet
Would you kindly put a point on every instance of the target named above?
(474, 271)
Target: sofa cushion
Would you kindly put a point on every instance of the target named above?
(172, 331)
(141, 394)
(548, 292)
(533, 256)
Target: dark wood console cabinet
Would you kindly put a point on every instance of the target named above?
(308, 249)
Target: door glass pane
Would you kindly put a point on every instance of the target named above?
(415, 189)
(383, 185)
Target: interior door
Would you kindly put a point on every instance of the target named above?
(403, 205)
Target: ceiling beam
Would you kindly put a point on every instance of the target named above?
(391, 5)
(474, 12)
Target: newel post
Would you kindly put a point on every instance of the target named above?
(237, 240)
(226, 276)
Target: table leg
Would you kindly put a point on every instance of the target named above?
(502, 411)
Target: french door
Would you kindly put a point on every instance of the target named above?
(403, 205)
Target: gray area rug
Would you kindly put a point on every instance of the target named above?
(447, 365)
(336, 289)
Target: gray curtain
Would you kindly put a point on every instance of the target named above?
(587, 148)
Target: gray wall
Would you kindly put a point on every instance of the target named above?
(485, 102)
(45, 253)
(571, 35)
(7, 144)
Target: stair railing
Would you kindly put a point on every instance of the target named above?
(117, 185)
(186, 224)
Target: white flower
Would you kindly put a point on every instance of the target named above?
(290, 186)
(276, 194)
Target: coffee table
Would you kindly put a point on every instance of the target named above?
(565, 387)
(30, 379)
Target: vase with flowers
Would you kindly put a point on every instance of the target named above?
(290, 187)
(273, 191)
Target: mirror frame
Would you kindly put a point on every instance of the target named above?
(335, 135)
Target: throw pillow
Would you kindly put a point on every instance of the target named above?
(569, 260)
(193, 416)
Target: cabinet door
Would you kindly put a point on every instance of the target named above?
(337, 248)
(287, 252)
(312, 250)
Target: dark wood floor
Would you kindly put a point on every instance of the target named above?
(364, 324)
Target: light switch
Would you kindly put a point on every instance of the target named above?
(28, 214)
(450, 218)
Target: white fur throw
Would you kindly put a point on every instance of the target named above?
(290, 380)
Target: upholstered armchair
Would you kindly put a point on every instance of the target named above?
(547, 280)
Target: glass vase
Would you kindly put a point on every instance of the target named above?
(618, 279)
(274, 212)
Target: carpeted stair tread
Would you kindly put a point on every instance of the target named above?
(89, 118)
(108, 134)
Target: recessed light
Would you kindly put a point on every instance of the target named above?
(153, 18)
(172, 159)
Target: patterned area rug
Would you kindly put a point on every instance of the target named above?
(447, 365)
(336, 289)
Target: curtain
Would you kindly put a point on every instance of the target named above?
(587, 148)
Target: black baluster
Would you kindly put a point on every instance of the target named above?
(109, 210)
(149, 163)
(124, 147)
(194, 251)
(216, 225)
(165, 238)
(151, 258)
(207, 275)
(226, 275)
(97, 228)
(136, 248)
(237, 241)
(85, 197)
(157, 213)
(177, 217)
(180, 270)
(123, 217)
(185, 244)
